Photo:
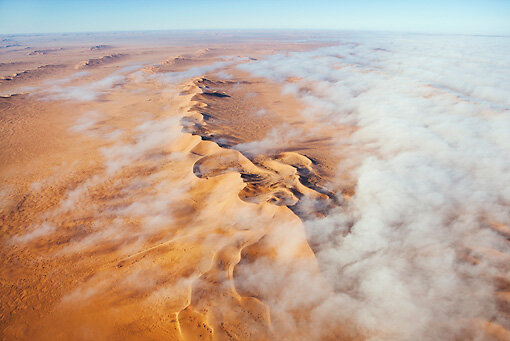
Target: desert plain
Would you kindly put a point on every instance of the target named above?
(253, 186)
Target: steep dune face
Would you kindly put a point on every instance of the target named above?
(207, 197)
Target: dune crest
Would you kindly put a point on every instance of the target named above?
(281, 179)
(96, 62)
(30, 74)
(100, 47)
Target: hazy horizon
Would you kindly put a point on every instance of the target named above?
(434, 17)
(254, 30)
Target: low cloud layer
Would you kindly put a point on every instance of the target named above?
(431, 117)
(84, 93)
(89, 91)
(413, 254)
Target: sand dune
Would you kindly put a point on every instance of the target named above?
(193, 198)
(218, 262)
(95, 62)
(174, 64)
(279, 179)
(100, 47)
(28, 75)
(44, 52)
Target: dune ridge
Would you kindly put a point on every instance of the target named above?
(96, 62)
(31, 73)
(100, 47)
(216, 305)
(281, 179)
(159, 274)
(44, 51)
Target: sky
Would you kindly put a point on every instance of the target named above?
(431, 16)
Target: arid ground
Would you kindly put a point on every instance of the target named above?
(253, 186)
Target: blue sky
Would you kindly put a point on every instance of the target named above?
(432, 16)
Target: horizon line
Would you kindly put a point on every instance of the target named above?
(502, 35)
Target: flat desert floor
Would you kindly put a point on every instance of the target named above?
(253, 186)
